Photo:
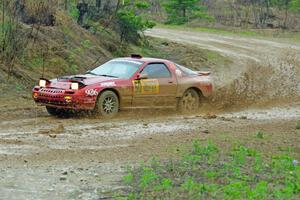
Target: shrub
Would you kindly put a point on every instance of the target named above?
(260, 135)
(181, 11)
(131, 25)
(298, 125)
(41, 12)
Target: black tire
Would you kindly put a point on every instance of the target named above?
(62, 113)
(189, 102)
(108, 104)
(53, 111)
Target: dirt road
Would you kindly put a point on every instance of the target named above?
(42, 157)
(263, 70)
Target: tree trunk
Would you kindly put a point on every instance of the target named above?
(286, 13)
(98, 3)
(3, 24)
(66, 4)
(254, 12)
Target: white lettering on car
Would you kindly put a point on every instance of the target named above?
(91, 92)
(108, 84)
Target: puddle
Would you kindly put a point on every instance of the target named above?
(60, 182)
(285, 113)
(12, 149)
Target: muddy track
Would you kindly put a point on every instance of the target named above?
(84, 158)
(43, 157)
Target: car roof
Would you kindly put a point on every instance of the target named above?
(143, 59)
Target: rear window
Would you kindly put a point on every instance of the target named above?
(185, 70)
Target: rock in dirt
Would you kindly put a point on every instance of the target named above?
(145, 125)
(52, 132)
(227, 119)
(296, 162)
(210, 116)
(59, 129)
(52, 135)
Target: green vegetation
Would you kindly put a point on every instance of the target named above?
(181, 11)
(298, 126)
(260, 135)
(129, 24)
(35, 62)
(208, 173)
(72, 9)
(259, 14)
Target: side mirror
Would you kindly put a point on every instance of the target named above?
(142, 76)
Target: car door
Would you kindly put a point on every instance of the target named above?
(158, 90)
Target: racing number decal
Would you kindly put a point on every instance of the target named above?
(147, 86)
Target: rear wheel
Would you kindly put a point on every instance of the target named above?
(108, 104)
(189, 102)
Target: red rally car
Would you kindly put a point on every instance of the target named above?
(133, 82)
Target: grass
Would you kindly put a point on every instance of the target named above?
(260, 135)
(206, 172)
(298, 126)
(259, 33)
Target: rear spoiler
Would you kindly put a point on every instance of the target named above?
(203, 73)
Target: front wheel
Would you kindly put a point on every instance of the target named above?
(53, 111)
(59, 112)
(108, 104)
(189, 102)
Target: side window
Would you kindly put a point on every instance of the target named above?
(157, 70)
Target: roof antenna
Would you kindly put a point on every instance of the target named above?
(136, 56)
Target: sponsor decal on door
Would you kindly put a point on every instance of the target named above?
(147, 86)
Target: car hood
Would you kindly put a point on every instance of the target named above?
(87, 79)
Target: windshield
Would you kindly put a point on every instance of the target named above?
(117, 69)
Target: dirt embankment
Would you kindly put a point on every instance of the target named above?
(263, 71)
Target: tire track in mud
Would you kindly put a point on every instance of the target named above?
(262, 72)
(86, 156)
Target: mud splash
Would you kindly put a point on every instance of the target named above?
(273, 80)
(262, 71)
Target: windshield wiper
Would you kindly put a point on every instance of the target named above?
(106, 75)
(89, 72)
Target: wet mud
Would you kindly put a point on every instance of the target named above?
(85, 157)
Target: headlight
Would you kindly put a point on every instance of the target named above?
(42, 83)
(74, 86)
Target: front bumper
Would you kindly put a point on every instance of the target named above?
(59, 98)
